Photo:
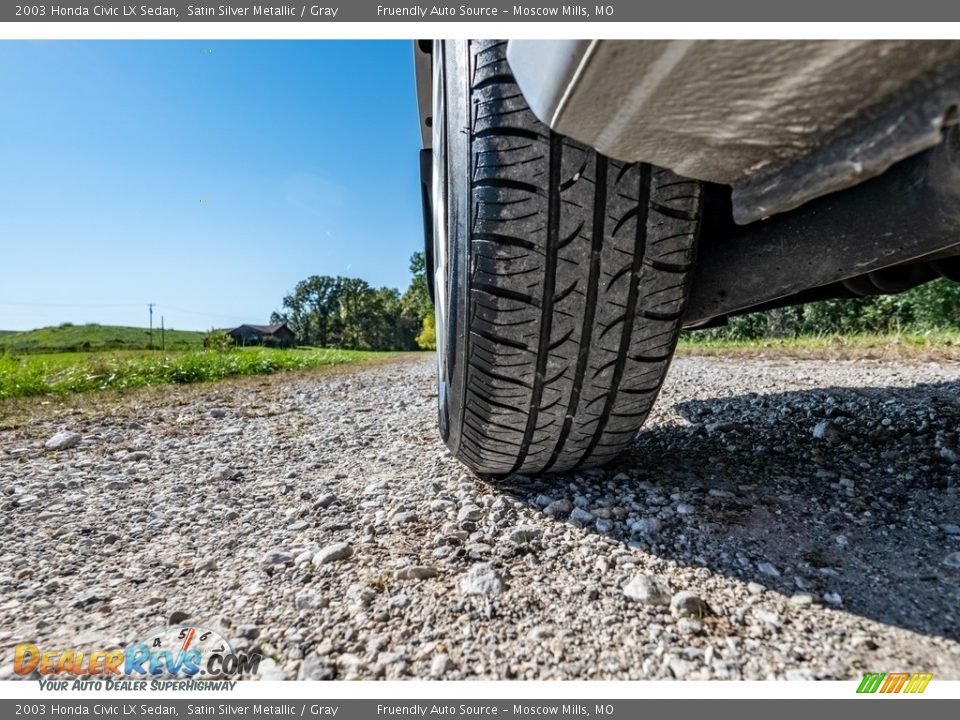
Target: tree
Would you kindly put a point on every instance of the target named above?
(355, 309)
(309, 309)
(416, 300)
(347, 312)
(929, 307)
(427, 339)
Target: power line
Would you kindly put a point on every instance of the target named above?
(119, 305)
(70, 305)
(206, 314)
(150, 306)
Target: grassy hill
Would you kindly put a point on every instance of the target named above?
(92, 337)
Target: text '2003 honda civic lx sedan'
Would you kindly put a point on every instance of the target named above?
(585, 201)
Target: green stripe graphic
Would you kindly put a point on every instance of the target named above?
(871, 682)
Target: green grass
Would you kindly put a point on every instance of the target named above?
(901, 344)
(93, 337)
(24, 375)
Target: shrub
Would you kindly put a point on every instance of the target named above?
(217, 340)
(932, 306)
(427, 339)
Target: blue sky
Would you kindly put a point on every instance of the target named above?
(205, 177)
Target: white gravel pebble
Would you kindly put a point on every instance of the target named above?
(222, 474)
(469, 513)
(688, 603)
(481, 579)
(63, 440)
(525, 533)
(333, 553)
(439, 666)
(648, 590)
(417, 572)
(275, 559)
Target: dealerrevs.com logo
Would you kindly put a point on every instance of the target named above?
(172, 657)
(891, 683)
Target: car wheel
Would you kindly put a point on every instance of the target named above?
(560, 277)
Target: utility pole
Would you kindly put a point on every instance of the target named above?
(150, 306)
(163, 338)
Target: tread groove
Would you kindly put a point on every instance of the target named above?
(593, 283)
(549, 282)
(639, 247)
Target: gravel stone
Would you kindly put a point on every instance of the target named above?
(688, 603)
(688, 626)
(646, 526)
(275, 560)
(222, 474)
(440, 665)
(827, 430)
(205, 565)
(580, 515)
(307, 601)
(417, 572)
(481, 579)
(317, 668)
(248, 632)
(333, 553)
(604, 526)
(558, 508)
(63, 440)
(469, 513)
(647, 590)
(325, 500)
(403, 518)
(177, 617)
(768, 569)
(525, 534)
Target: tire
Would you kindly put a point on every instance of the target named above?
(561, 277)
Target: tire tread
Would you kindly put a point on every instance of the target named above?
(571, 340)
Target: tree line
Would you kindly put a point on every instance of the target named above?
(349, 313)
(931, 307)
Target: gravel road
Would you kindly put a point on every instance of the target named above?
(776, 518)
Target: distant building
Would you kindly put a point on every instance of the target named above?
(277, 335)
